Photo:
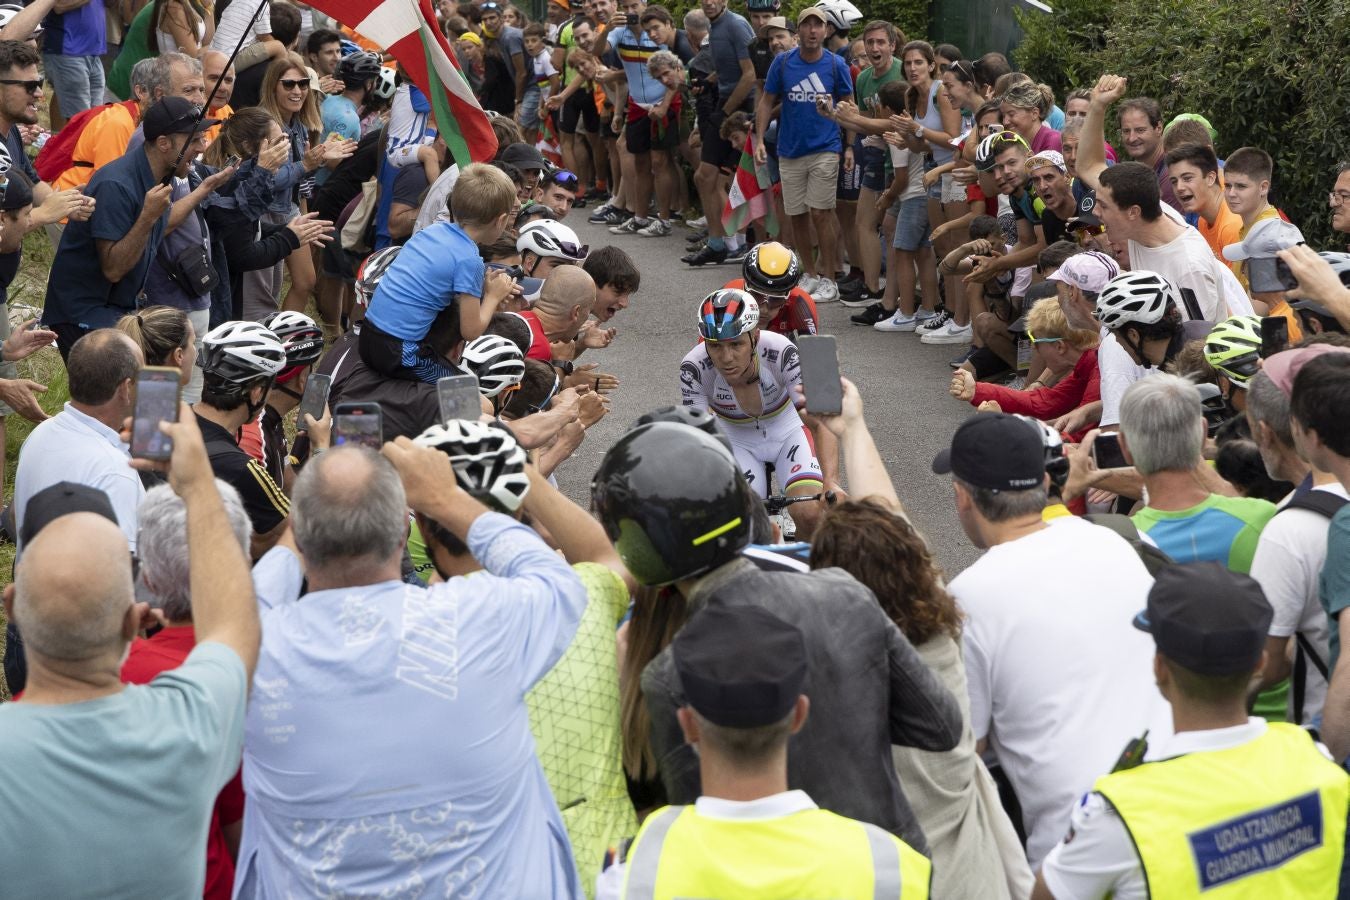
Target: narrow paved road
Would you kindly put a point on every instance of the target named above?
(903, 382)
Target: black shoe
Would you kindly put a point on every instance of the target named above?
(707, 256)
(856, 301)
(579, 203)
(700, 235)
(956, 362)
(851, 286)
(871, 316)
(737, 255)
(615, 217)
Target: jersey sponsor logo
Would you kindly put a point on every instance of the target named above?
(769, 355)
(689, 375)
(798, 467)
(791, 359)
(806, 90)
(1258, 841)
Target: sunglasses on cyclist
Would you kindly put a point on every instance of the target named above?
(31, 87)
(770, 299)
(1035, 340)
(543, 404)
(564, 179)
(573, 251)
(291, 84)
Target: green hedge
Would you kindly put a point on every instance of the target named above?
(1271, 75)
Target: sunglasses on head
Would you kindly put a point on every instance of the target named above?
(291, 84)
(31, 87)
(564, 179)
(1035, 340)
(963, 70)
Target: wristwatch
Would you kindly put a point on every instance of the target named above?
(564, 365)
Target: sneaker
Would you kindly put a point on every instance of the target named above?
(826, 291)
(938, 321)
(700, 222)
(657, 227)
(700, 235)
(615, 217)
(631, 226)
(849, 287)
(706, 256)
(902, 323)
(856, 301)
(951, 333)
(871, 316)
(598, 217)
(957, 361)
(809, 283)
(737, 255)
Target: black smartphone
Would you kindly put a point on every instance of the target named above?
(1274, 335)
(358, 423)
(1106, 452)
(459, 398)
(820, 374)
(157, 396)
(315, 399)
(1270, 275)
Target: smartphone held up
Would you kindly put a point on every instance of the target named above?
(157, 396)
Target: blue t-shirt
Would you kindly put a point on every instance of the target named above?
(729, 40)
(1333, 587)
(80, 32)
(340, 117)
(802, 130)
(77, 292)
(437, 263)
(634, 50)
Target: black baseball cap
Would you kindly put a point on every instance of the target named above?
(1087, 213)
(1206, 618)
(994, 451)
(62, 499)
(740, 666)
(173, 115)
(17, 191)
(524, 157)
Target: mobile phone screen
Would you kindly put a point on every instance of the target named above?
(314, 400)
(820, 374)
(157, 393)
(358, 423)
(1274, 335)
(1107, 453)
(459, 398)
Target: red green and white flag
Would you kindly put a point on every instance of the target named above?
(407, 29)
(547, 145)
(751, 196)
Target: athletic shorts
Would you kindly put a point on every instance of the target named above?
(579, 115)
(338, 263)
(872, 162)
(911, 230)
(809, 182)
(786, 445)
(849, 181)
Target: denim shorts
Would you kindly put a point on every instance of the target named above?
(872, 161)
(911, 229)
(529, 107)
(935, 190)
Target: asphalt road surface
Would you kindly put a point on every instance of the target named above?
(903, 383)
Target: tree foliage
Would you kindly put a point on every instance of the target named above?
(1266, 74)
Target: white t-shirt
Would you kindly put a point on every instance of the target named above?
(1187, 262)
(1060, 680)
(1116, 371)
(234, 21)
(902, 158)
(1287, 563)
(1100, 860)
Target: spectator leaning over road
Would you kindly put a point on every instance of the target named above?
(1292, 549)
(1229, 802)
(744, 678)
(976, 852)
(165, 574)
(864, 662)
(239, 362)
(458, 718)
(101, 265)
(565, 301)
(80, 732)
(1320, 417)
(1055, 717)
(616, 279)
(808, 81)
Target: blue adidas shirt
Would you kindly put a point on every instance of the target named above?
(796, 82)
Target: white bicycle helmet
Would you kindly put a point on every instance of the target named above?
(1340, 264)
(488, 462)
(241, 352)
(6, 161)
(385, 84)
(372, 270)
(9, 10)
(495, 361)
(1140, 297)
(299, 334)
(840, 13)
(547, 239)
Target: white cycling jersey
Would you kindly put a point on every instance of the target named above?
(776, 436)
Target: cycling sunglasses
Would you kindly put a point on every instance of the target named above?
(553, 392)
(768, 298)
(1035, 340)
(564, 179)
(1001, 139)
(573, 251)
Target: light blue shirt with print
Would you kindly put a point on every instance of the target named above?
(388, 748)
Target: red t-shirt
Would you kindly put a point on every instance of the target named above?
(798, 314)
(148, 657)
(539, 346)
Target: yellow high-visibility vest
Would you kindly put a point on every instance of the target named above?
(1265, 819)
(810, 854)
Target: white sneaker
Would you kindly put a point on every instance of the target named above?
(809, 283)
(657, 227)
(897, 322)
(938, 321)
(951, 333)
(700, 222)
(826, 291)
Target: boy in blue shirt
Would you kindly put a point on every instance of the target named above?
(439, 272)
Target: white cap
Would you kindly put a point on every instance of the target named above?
(1265, 240)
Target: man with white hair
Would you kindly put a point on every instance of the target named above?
(144, 762)
(165, 573)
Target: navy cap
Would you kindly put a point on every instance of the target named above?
(995, 451)
(173, 115)
(62, 499)
(1207, 618)
(740, 666)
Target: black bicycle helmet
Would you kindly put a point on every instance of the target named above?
(772, 269)
(358, 68)
(693, 416)
(673, 501)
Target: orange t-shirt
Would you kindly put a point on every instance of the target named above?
(1227, 229)
(222, 114)
(103, 140)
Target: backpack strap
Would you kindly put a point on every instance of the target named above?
(1324, 503)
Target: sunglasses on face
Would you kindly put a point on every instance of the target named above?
(291, 84)
(31, 87)
(543, 404)
(773, 299)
